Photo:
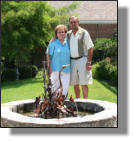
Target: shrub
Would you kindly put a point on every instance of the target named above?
(113, 74)
(28, 71)
(101, 70)
(2, 67)
(105, 71)
(34, 70)
(25, 72)
(8, 74)
(104, 47)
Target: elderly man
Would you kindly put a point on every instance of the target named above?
(81, 50)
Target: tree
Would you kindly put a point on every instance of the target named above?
(28, 26)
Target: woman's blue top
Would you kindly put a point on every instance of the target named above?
(59, 55)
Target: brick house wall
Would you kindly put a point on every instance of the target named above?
(100, 30)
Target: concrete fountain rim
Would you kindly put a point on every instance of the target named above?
(110, 110)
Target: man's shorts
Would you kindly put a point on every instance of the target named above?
(65, 79)
(79, 74)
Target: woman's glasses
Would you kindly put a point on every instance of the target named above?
(61, 32)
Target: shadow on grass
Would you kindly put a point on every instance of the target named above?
(108, 85)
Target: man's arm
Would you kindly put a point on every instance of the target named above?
(90, 54)
(89, 46)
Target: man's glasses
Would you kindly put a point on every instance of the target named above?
(74, 22)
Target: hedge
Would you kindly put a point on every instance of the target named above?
(105, 71)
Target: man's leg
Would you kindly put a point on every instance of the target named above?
(85, 91)
(77, 91)
(74, 78)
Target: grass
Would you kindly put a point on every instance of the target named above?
(30, 88)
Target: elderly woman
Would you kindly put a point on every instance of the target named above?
(58, 55)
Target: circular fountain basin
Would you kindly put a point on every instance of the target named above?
(104, 115)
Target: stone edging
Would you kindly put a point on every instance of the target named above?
(109, 114)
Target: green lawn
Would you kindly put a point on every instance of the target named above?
(30, 88)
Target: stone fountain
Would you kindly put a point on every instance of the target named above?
(104, 115)
(53, 110)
